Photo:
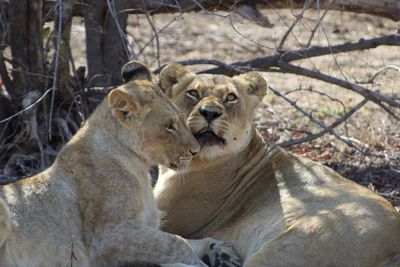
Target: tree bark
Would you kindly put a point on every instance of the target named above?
(27, 45)
(113, 47)
(384, 8)
(94, 46)
(105, 50)
(62, 27)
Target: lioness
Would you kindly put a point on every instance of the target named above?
(278, 209)
(94, 206)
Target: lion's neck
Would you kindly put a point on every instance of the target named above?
(231, 163)
(213, 194)
(104, 169)
(99, 145)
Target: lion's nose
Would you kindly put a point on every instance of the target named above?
(209, 115)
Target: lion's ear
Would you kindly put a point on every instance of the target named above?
(134, 70)
(171, 75)
(123, 104)
(253, 83)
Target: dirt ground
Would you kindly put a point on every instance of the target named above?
(230, 39)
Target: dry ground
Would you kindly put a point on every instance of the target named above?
(216, 36)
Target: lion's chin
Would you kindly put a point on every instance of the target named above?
(210, 153)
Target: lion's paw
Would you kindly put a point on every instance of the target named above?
(222, 254)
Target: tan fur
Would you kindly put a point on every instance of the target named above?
(94, 206)
(278, 209)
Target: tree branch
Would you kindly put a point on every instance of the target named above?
(327, 129)
(315, 51)
(375, 97)
(281, 60)
(384, 8)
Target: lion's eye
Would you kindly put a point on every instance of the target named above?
(231, 98)
(193, 94)
(171, 127)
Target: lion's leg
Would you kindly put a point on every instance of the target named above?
(269, 256)
(129, 242)
(216, 253)
(287, 249)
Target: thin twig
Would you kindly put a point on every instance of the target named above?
(298, 18)
(315, 51)
(329, 45)
(327, 129)
(313, 31)
(124, 40)
(347, 141)
(56, 58)
(28, 107)
(246, 37)
(157, 39)
(375, 97)
(371, 80)
(159, 32)
(334, 99)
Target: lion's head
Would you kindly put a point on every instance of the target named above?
(219, 109)
(146, 114)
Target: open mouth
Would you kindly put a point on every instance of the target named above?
(207, 137)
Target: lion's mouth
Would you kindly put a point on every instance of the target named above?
(207, 137)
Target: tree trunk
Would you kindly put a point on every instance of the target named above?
(105, 50)
(113, 43)
(27, 45)
(62, 39)
(94, 16)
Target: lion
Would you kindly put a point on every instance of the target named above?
(94, 206)
(277, 208)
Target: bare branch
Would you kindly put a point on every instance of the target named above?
(371, 95)
(298, 17)
(371, 80)
(159, 32)
(153, 28)
(316, 27)
(124, 40)
(327, 129)
(281, 60)
(384, 8)
(315, 51)
(208, 62)
(28, 107)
